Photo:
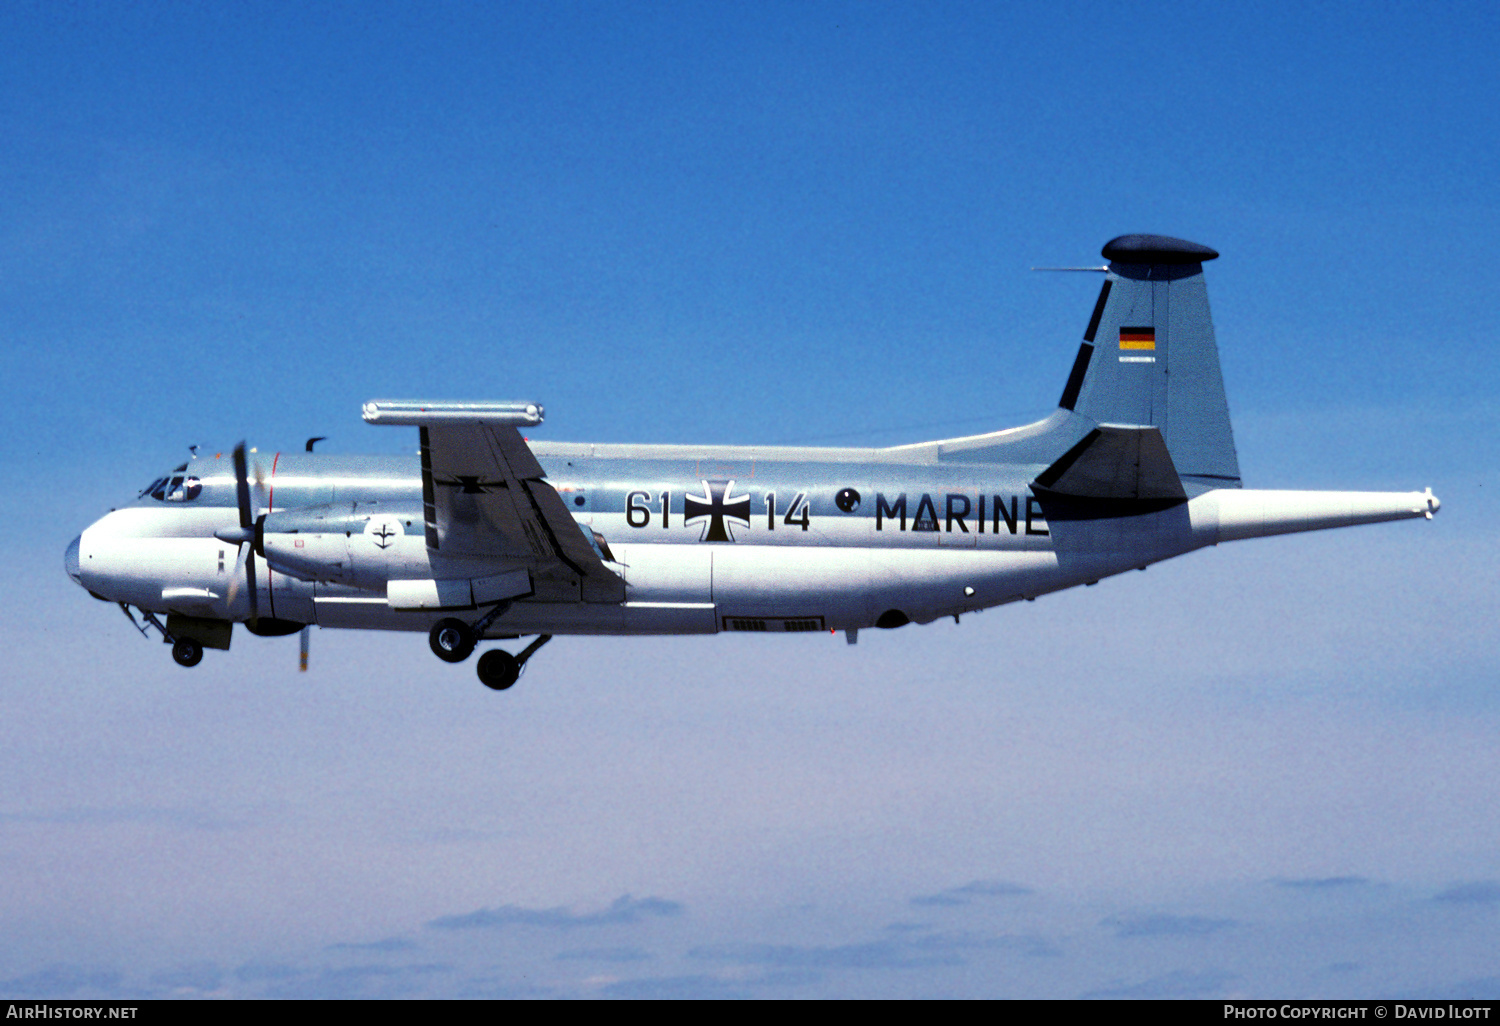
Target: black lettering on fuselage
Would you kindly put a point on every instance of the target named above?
(958, 508)
(1031, 504)
(1008, 514)
(960, 514)
(992, 509)
(885, 509)
(634, 510)
(926, 516)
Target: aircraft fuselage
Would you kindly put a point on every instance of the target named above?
(486, 533)
(707, 539)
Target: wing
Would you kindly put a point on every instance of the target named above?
(484, 494)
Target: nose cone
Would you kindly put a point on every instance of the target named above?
(70, 560)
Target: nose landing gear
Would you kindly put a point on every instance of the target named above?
(187, 651)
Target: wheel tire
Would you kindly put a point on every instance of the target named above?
(187, 652)
(452, 641)
(498, 669)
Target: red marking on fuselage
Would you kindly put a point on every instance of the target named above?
(271, 494)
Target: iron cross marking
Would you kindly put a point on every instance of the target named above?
(715, 504)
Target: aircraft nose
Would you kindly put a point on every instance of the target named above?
(70, 560)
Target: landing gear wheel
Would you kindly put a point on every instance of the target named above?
(452, 640)
(498, 669)
(187, 652)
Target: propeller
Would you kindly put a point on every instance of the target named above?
(244, 535)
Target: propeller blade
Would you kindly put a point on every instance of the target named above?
(234, 585)
(306, 637)
(237, 579)
(250, 575)
(242, 488)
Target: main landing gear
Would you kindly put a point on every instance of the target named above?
(498, 669)
(452, 640)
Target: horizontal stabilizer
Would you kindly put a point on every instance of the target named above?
(1113, 471)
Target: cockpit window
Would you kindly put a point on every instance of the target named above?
(179, 487)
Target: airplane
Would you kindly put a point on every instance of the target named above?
(487, 535)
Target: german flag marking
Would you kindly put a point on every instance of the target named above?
(1137, 338)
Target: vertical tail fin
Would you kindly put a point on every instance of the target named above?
(1149, 357)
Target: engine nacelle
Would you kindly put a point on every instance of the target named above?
(367, 545)
(358, 544)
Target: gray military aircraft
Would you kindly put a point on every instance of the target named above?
(488, 535)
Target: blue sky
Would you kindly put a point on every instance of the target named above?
(1263, 769)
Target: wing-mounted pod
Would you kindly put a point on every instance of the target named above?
(427, 412)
